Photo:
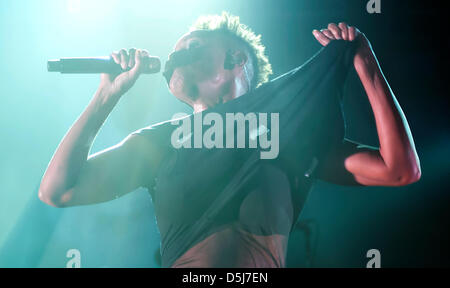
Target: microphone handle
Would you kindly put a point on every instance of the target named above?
(95, 65)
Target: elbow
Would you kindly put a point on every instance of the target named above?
(414, 176)
(409, 176)
(414, 172)
(50, 199)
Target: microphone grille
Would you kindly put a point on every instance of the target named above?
(153, 65)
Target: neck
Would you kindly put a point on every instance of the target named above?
(199, 107)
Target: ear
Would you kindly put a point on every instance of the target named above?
(240, 58)
(233, 58)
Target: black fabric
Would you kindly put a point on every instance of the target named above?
(199, 191)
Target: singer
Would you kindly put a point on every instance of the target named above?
(226, 208)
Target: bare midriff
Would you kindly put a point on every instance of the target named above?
(235, 247)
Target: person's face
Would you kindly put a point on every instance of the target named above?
(204, 80)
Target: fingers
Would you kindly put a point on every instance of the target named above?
(353, 33)
(138, 62)
(324, 40)
(116, 57)
(126, 59)
(335, 30)
(131, 61)
(344, 30)
(341, 31)
(328, 33)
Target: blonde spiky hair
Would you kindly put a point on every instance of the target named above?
(231, 24)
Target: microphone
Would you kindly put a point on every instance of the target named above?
(94, 65)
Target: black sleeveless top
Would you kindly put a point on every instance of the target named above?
(199, 191)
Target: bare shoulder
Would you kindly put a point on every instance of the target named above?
(119, 169)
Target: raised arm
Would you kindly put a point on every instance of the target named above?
(75, 178)
(395, 162)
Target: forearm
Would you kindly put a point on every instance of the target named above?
(395, 163)
(72, 153)
(397, 148)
